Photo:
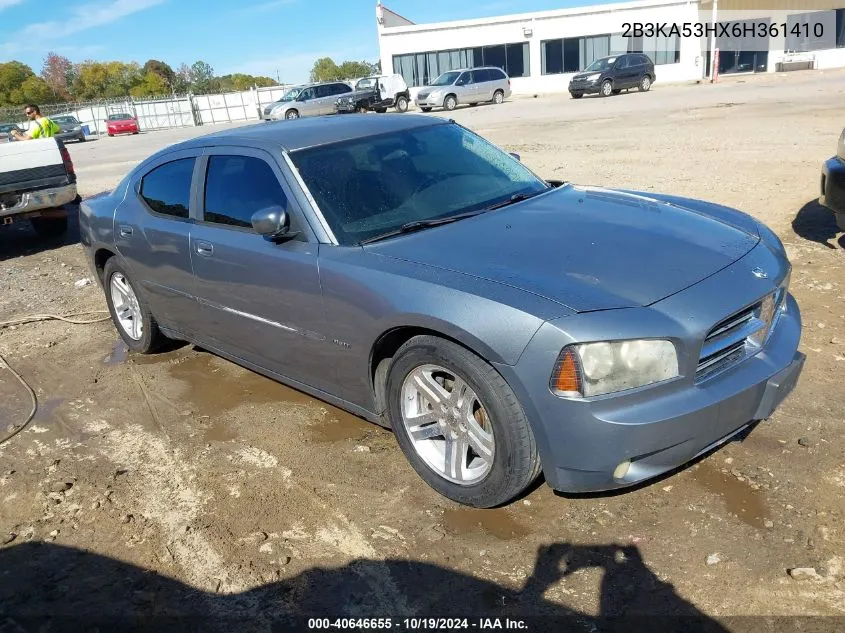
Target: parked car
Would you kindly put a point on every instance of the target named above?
(471, 86)
(6, 131)
(612, 75)
(376, 93)
(407, 270)
(71, 128)
(307, 100)
(37, 184)
(122, 123)
(833, 183)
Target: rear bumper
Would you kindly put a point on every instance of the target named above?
(43, 199)
(833, 186)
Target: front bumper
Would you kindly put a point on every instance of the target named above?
(43, 199)
(428, 102)
(833, 187)
(584, 87)
(659, 428)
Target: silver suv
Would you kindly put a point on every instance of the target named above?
(472, 86)
(307, 100)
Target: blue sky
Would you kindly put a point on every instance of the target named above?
(259, 37)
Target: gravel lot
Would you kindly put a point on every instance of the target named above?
(183, 485)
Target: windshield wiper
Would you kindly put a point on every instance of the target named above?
(417, 225)
(517, 197)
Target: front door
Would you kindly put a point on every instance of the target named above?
(261, 300)
(152, 227)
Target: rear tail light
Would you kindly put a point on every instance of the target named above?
(67, 161)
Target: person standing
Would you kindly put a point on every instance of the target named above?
(43, 127)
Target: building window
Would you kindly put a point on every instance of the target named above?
(840, 28)
(804, 33)
(574, 54)
(420, 69)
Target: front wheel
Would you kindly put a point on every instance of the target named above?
(645, 84)
(450, 103)
(290, 115)
(129, 310)
(459, 424)
(402, 104)
(576, 95)
(498, 97)
(606, 88)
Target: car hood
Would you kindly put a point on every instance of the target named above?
(585, 248)
(356, 94)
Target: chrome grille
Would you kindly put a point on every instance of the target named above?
(737, 337)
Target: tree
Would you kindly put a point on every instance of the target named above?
(57, 72)
(12, 76)
(355, 70)
(161, 69)
(241, 81)
(202, 77)
(106, 80)
(36, 90)
(325, 70)
(183, 79)
(152, 85)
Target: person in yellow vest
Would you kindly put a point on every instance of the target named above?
(42, 128)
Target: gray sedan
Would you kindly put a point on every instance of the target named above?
(71, 128)
(409, 271)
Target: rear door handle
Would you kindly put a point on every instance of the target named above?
(125, 231)
(204, 248)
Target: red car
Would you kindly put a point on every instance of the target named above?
(122, 123)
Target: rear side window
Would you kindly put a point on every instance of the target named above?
(167, 188)
(480, 76)
(495, 74)
(339, 89)
(238, 186)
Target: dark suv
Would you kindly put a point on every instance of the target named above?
(612, 75)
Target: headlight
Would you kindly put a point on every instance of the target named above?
(595, 369)
(592, 77)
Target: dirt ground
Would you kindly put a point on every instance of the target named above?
(182, 485)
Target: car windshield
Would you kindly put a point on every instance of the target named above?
(446, 79)
(65, 120)
(370, 187)
(291, 94)
(120, 117)
(365, 84)
(5, 128)
(600, 65)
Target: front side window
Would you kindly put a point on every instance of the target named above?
(369, 187)
(167, 188)
(600, 65)
(238, 186)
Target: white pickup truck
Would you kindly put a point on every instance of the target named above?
(37, 182)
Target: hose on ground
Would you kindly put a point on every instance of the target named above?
(5, 365)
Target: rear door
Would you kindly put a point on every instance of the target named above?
(261, 300)
(625, 72)
(152, 227)
(482, 84)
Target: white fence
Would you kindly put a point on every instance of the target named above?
(170, 112)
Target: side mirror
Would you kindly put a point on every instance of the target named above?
(271, 222)
(516, 156)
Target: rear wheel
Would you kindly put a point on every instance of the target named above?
(645, 84)
(498, 97)
(129, 310)
(381, 110)
(402, 104)
(49, 227)
(450, 102)
(425, 109)
(291, 114)
(617, 91)
(459, 423)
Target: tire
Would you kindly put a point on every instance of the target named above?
(606, 88)
(110, 134)
(513, 462)
(425, 109)
(49, 227)
(473, 105)
(381, 110)
(645, 84)
(840, 221)
(576, 95)
(150, 336)
(82, 139)
(136, 132)
(450, 102)
(290, 115)
(617, 91)
(402, 104)
(498, 97)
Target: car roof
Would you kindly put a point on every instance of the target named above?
(307, 132)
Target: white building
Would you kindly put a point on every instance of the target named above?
(541, 51)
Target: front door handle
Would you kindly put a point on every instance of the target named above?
(204, 248)
(125, 231)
